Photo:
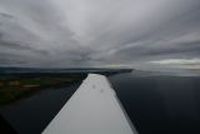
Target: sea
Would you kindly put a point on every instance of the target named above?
(155, 104)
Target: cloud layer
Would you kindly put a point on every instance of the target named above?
(73, 33)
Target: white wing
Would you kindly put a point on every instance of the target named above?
(93, 109)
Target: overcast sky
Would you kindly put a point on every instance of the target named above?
(73, 33)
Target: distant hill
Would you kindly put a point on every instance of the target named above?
(18, 70)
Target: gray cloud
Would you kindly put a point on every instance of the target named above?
(71, 33)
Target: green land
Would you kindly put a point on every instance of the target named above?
(15, 88)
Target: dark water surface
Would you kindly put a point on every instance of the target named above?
(31, 115)
(155, 105)
(160, 104)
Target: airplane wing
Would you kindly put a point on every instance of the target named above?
(93, 109)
